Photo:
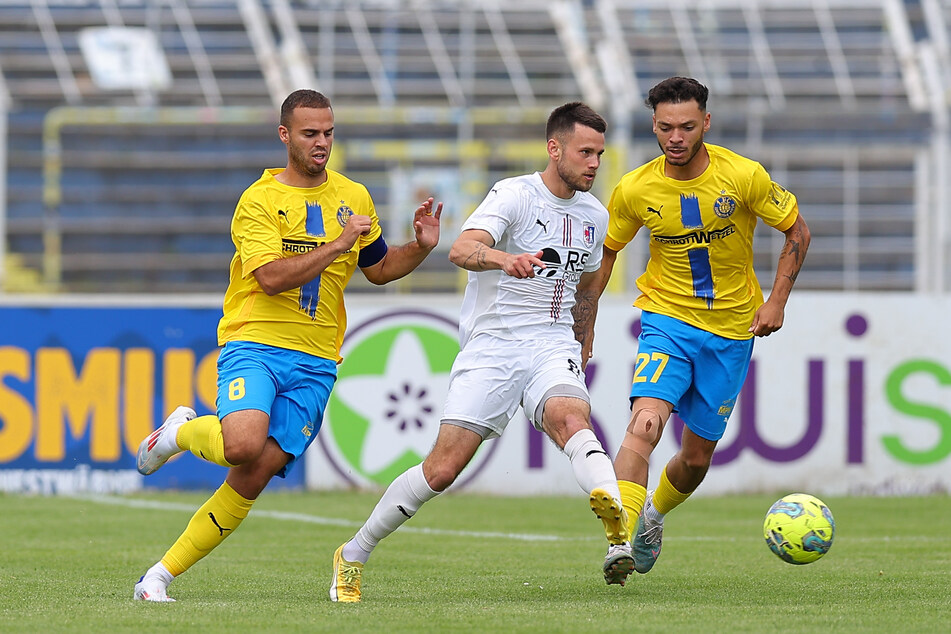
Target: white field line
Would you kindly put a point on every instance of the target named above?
(527, 537)
(327, 521)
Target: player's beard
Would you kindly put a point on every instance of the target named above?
(686, 158)
(577, 182)
(305, 165)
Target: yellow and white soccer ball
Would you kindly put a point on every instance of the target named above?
(799, 528)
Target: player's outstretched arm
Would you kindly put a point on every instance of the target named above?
(399, 261)
(769, 318)
(473, 251)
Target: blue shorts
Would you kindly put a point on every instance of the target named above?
(291, 387)
(699, 372)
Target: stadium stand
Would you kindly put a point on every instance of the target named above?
(131, 189)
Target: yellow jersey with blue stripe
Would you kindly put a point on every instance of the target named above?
(701, 238)
(273, 220)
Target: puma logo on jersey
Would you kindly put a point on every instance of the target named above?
(543, 225)
(281, 212)
(655, 211)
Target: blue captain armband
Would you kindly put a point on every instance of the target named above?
(372, 253)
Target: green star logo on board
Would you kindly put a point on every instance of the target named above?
(383, 413)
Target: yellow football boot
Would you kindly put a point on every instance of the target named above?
(345, 586)
(612, 514)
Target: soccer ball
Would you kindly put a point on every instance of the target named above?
(799, 528)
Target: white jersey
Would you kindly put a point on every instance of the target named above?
(523, 216)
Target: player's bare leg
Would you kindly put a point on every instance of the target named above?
(681, 477)
(214, 521)
(688, 467)
(648, 419)
(453, 450)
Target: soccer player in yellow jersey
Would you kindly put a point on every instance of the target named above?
(299, 234)
(700, 300)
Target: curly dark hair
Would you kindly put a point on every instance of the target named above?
(677, 90)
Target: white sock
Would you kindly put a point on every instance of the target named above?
(160, 572)
(593, 469)
(400, 502)
(167, 443)
(651, 513)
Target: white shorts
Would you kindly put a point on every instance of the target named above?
(491, 377)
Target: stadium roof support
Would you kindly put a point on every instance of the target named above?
(617, 68)
(196, 50)
(688, 41)
(937, 26)
(441, 59)
(361, 33)
(904, 42)
(64, 72)
(568, 19)
(265, 49)
(285, 66)
(764, 57)
(510, 57)
(294, 54)
(830, 38)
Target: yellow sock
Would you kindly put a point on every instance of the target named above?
(666, 497)
(215, 520)
(632, 498)
(202, 437)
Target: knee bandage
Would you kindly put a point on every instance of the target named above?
(643, 433)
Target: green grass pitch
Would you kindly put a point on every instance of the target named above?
(471, 564)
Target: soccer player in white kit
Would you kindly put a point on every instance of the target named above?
(532, 248)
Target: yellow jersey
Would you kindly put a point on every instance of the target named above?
(273, 221)
(701, 238)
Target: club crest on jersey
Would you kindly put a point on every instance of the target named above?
(724, 207)
(343, 214)
(588, 235)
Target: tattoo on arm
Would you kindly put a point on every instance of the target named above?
(477, 259)
(793, 250)
(582, 312)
